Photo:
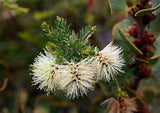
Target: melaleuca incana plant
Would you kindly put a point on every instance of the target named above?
(70, 64)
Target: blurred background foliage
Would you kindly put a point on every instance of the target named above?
(21, 39)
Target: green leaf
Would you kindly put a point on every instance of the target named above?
(154, 4)
(128, 43)
(122, 38)
(118, 6)
(65, 43)
(146, 11)
(123, 25)
(149, 95)
(87, 32)
(154, 25)
(157, 49)
(156, 70)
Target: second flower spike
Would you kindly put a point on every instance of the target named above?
(109, 62)
(44, 72)
(78, 78)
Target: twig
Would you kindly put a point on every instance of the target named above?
(21, 108)
(7, 74)
(4, 85)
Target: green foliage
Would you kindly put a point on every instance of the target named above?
(15, 50)
(146, 11)
(128, 43)
(154, 28)
(156, 70)
(149, 95)
(123, 38)
(123, 25)
(65, 43)
(154, 4)
(118, 6)
(157, 50)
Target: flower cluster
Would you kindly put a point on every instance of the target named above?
(120, 105)
(77, 79)
(142, 39)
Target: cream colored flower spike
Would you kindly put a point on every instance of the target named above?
(78, 79)
(44, 72)
(109, 62)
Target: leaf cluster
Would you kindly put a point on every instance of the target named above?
(65, 44)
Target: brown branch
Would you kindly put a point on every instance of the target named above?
(21, 108)
(4, 85)
(141, 27)
(7, 74)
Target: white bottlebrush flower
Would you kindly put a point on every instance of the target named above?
(109, 62)
(44, 72)
(78, 78)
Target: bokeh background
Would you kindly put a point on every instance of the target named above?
(21, 40)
